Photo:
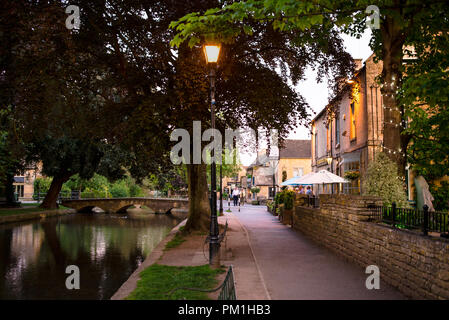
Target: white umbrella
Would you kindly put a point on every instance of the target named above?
(294, 181)
(322, 176)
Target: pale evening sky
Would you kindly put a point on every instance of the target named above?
(316, 94)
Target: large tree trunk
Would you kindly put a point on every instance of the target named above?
(9, 191)
(395, 144)
(199, 206)
(50, 201)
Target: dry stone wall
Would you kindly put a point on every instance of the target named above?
(416, 265)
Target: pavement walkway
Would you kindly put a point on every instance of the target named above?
(270, 260)
(235, 250)
(291, 266)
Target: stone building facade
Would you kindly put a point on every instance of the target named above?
(291, 160)
(24, 181)
(348, 132)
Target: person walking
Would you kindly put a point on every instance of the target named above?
(235, 196)
(242, 197)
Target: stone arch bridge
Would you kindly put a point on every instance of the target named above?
(120, 205)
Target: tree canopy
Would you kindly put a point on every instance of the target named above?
(425, 95)
(401, 24)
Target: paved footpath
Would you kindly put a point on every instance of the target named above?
(294, 267)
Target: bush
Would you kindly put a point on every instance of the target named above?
(289, 199)
(270, 205)
(286, 197)
(42, 184)
(135, 191)
(441, 196)
(279, 198)
(96, 187)
(92, 193)
(382, 180)
(119, 189)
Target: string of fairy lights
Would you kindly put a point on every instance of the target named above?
(398, 151)
(402, 124)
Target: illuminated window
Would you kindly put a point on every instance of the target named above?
(352, 121)
(337, 130)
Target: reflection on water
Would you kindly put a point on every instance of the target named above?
(106, 248)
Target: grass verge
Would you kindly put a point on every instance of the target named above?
(158, 280)
(27, 209)
(176, 241)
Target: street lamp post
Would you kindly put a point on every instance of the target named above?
(221, 190)
(211, 52)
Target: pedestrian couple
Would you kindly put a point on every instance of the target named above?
(236, 196)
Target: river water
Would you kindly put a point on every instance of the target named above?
(107, 248)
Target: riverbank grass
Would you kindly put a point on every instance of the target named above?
(26, 209)
(176, 241)
(157, 281)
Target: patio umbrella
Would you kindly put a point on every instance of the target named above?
(294, 181)
(322, 176)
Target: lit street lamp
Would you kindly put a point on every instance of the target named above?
(221, 190)
(212, 52)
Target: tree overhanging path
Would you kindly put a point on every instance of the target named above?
(294, 267)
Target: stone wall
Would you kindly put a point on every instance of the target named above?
(416, 265)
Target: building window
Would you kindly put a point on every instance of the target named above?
(352, 132)
(270, 192)
(298, 172)
(19, 190)
(337, 130)
(354, 186)
(352, 166)
(316, 146)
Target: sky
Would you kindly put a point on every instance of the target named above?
(316, 94)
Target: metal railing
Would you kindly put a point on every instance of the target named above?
(408, 218)
(227, 287)
(63, 195)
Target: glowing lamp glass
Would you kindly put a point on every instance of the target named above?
(211, 52)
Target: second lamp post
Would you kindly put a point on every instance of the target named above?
(211, 52)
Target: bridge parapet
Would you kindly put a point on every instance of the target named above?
(119, 205)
